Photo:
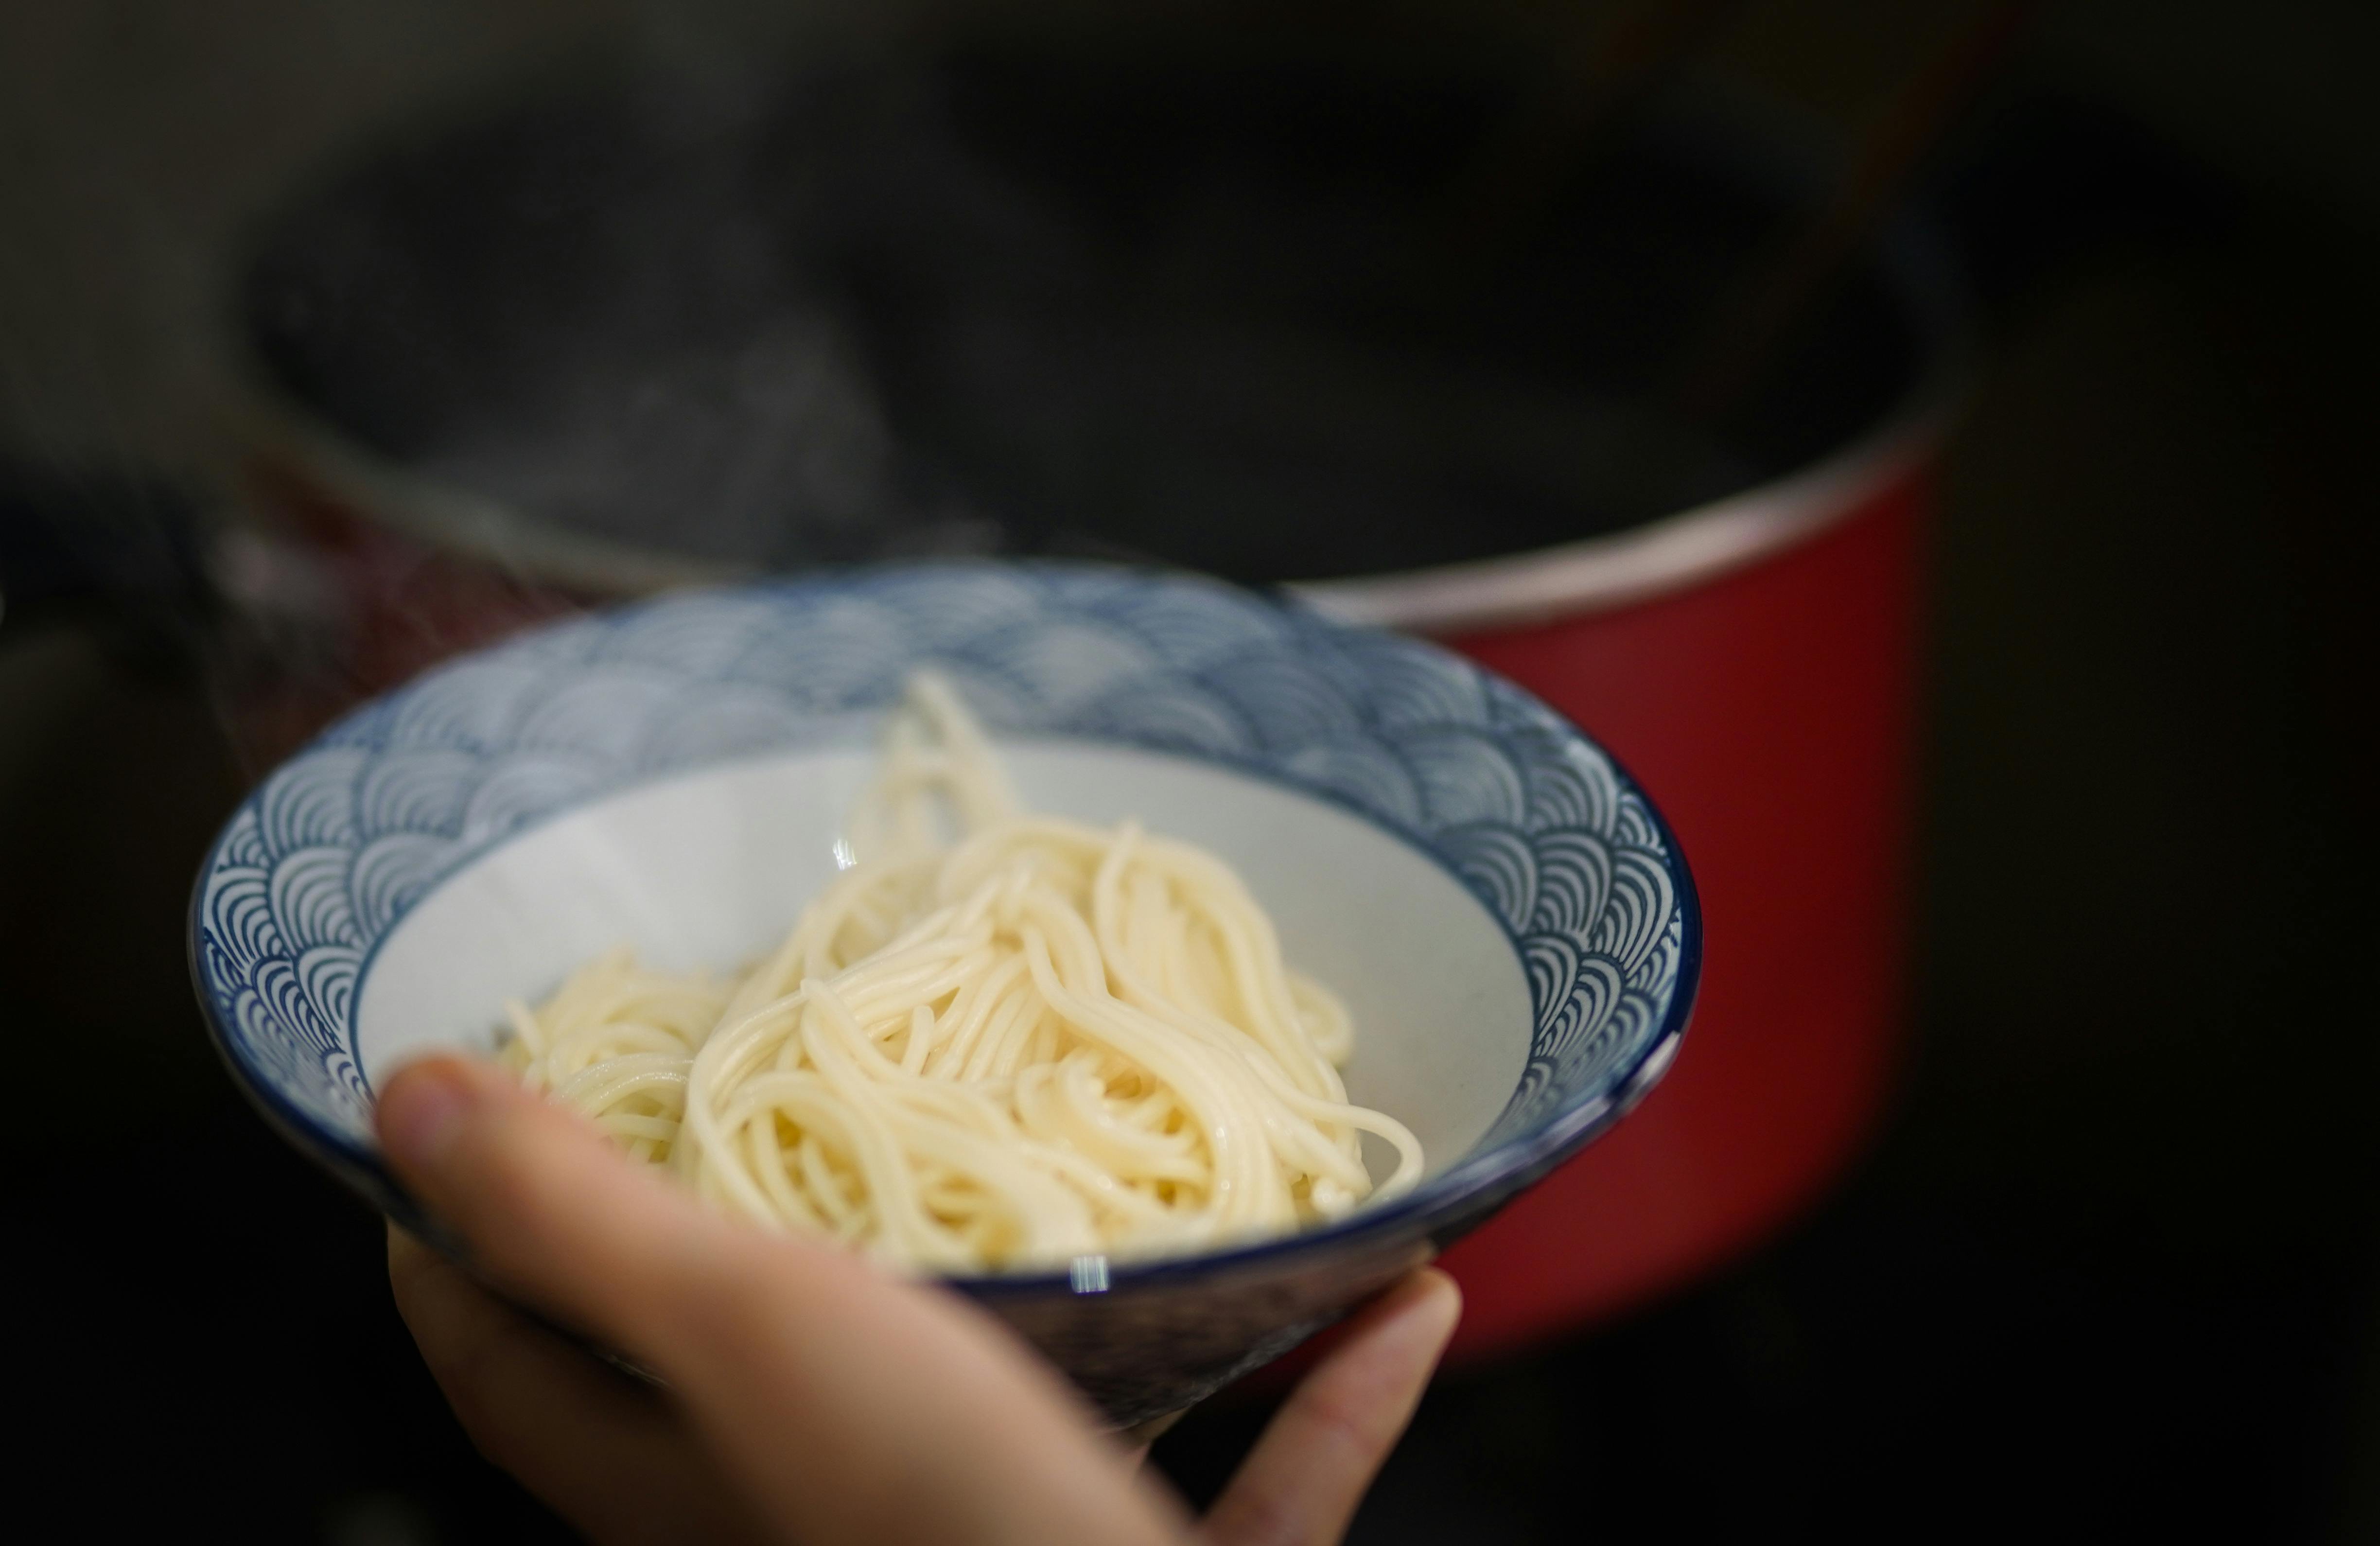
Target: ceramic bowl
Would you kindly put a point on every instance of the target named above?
(1504, 912)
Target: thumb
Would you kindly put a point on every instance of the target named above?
(544, 1203)
(855, 1406)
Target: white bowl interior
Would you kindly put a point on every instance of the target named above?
(710, 869)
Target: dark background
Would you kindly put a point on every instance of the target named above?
(2107, 1269)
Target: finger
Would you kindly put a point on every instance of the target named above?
(853, 1407)
(612, 1459)
(531, 1188)
(1136, 1439)
(1300, 1485)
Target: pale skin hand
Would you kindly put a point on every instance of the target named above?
(811, 1398)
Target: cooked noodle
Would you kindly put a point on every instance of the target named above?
(1018, 1043)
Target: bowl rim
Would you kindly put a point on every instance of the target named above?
(1441, 1205)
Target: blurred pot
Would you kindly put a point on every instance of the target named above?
(1194, 314)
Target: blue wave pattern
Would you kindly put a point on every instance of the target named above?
(332, 850)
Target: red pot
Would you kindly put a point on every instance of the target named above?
(1752, 659)
(1753, 663)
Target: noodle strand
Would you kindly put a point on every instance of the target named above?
(994, 1040)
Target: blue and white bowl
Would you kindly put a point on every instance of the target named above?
(1503, 909)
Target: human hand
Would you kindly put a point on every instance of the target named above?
(809, 1397)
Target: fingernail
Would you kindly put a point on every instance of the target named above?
(420, 1113)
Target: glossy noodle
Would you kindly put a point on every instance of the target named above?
(996, 1041)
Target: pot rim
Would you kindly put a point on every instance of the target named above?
(1571, 579)
(1671, 553)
